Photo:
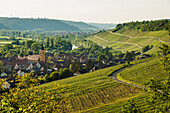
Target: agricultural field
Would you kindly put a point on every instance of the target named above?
(141, 73)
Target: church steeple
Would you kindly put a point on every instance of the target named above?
(42, 53)
(42, 47)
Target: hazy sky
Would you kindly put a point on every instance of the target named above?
(103, 11)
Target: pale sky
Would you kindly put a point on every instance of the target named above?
(101, 11)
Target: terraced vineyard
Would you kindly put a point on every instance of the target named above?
(141, 73)
(128, 40)
(94, 89)
(140, 102)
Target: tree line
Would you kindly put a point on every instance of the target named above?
(155, 25)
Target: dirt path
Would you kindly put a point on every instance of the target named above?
(119, 42)
(158, 38)
(114, 77)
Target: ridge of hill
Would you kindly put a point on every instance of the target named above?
(44, 24)
(32, 24)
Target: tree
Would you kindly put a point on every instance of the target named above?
(110, 56)
(47, 78)
(76, 66)
(54, 75)
(52, 42)
(47, 42)
(89, 64)
(120, 55)
(29, 96)
(128, 57)
(65, 73)
(28, 43)
(1, 67)
(8, 46)
(8, 55)
(12, 37)
(102, 57)
(35, 46)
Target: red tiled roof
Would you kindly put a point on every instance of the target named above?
(33, 57)
(13, 62)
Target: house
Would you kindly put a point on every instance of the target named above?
(3, 74)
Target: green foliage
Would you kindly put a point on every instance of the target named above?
(131, 107)
(146, 48)
(89, 64)
(165, 59)
(145, 25)
(28, 43)
(159, 91)
(101, 57)
(129, 56)
(1, 67)
(121, 55)
(64, 73)
(47, 78)
(8, 46)
(76, 66)
(54, 75)
(29, 97)
(35, 46)
(44, 24)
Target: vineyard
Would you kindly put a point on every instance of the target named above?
(125, 40)
(140, 102)
(97, 98)
(94, 89)
(141, 73)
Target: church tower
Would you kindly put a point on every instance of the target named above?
(42, 54)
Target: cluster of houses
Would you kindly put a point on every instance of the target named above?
(40, 65)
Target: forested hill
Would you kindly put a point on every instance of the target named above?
(44, 24)
(145, 25)
(32, 24)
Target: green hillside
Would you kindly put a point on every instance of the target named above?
(97, 92)
(125, 38)
(32, 24)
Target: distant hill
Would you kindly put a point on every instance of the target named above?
(80, 25)
(49, 24)
(31, 24)
(103, 26)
